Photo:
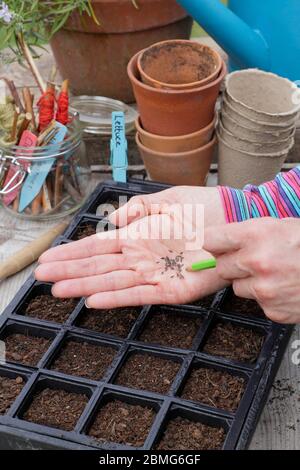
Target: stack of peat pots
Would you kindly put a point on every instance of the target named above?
(176, 86)
(256, 126)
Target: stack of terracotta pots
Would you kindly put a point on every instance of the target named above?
(176, 86)
(256, 126)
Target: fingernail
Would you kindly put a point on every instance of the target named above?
(85, 303)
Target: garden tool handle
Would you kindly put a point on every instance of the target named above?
(31, 252)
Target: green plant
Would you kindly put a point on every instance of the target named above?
(26, 25)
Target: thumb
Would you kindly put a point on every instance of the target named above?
(138, 207)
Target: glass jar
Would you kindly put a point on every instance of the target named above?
(62, 169)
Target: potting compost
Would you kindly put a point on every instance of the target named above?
(157, 377)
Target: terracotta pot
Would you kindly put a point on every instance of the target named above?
(178, 64)
(262, 146)
(263, 96)
(237, 168)
(245, 132)
(120, 16)
(254, 123)
(183, 143)
(173, 112)
(95, 58)
(185, 168)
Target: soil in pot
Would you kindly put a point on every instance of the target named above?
(247, 307)
(215, 388)
(25, 349)
(84, 360)
(117, 322)
(148, 372)
(46, 307)
(178, 63)
(122, 423)
(205, 302)
(171, 329)
(56, 408)
(183, 434)
(9, 390)
(234, 342)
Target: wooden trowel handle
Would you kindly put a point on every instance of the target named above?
(30, 252)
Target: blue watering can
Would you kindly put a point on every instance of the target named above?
(255, 33)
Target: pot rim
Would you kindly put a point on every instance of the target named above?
(139, 83)
(176, 138)
(257, 155)
(265, 142)
(291, 129)
(292, 85)
(212, 142)
(262, 123)
(217, 58)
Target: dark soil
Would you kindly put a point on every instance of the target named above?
(171, 329)
(25, 349)
(205, 302)
(123, 423)
(183, 434)
(56, 408)
(117, 322)
(85, 230)
(245, 307)
(148, 372)
(9, 390)
(84, 359)
(214, 388)
(234, 342)
(175, 64)
(46, 307)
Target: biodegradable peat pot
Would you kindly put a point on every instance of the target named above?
(263, 96)
(179, 64)
(94, 58)
(174, 112)
(262, 146)
(255, 124)
(251, 134)
(177, 144)
(184, 168)
(237, 168)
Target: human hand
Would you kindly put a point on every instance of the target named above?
(261, 257)
(122, 268)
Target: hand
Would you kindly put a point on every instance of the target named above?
(262, 259)
(121, 268)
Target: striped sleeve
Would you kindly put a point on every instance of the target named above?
(279, 198)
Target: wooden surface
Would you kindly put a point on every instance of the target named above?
(279, 426)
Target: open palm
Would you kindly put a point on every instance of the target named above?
(124, 268)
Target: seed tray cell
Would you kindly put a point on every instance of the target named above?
(12, 382)
(234, 341)
(148, 370)
(215, 385)
(25, 344)
(84, 357)
(245, 308)
(170, 327)
(115, 323)
(39, 304)
(176, 348)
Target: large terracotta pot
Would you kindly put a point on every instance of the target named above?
(94, 58)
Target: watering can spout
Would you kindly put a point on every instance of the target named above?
(246, 47)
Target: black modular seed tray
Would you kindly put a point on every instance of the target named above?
(17, 433)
